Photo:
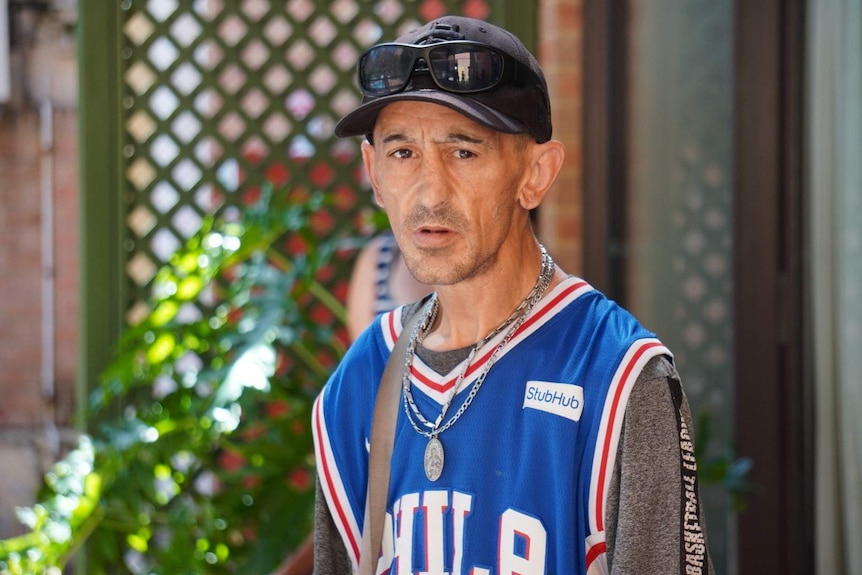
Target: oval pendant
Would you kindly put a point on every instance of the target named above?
(433, 459)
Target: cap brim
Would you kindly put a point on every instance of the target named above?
(361, 121)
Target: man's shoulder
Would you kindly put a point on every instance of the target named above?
(581, 307)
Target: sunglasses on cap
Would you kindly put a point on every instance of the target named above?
(458, 66)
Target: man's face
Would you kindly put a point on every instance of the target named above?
(450, 188)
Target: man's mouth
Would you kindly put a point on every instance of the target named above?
(433, 230)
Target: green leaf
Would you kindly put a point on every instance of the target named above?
(165, 312)
(190, 288)
(200, 455)
(162, 348)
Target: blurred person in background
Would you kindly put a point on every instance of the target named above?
(379, 282)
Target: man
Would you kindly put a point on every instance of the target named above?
(541, 429)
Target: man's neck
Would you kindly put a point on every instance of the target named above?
(469, 311)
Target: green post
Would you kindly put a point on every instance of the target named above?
(101, 203)
(520, 17)
(100, 143)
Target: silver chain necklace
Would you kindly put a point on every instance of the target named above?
(434, 456)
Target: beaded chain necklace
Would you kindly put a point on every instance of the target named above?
(434, 456)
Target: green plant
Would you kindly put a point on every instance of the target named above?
(723, 468)
(199, 458)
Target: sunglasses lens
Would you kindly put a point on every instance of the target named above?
(466, 68)
(456, 67)
(386, 69)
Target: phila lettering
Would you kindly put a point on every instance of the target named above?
(563, 399)
(426, 532)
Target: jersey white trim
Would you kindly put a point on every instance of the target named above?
(596, 554)
(333, 486)
(391, 323)
(438, 387)
(607, 440)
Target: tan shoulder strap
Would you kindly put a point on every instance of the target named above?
(382, 438)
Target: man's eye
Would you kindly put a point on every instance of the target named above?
(465, 154)
(402, 153)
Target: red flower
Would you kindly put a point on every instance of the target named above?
(277, 409)
(300, 479)
(231, 460)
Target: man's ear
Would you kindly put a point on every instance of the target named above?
(546, 161)
(368, 160)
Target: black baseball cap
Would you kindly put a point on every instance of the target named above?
(515, 107)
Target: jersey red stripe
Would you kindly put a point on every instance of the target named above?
(328, 476)
(392, 333)
(594, 552)
(606, 446)
(447, 385)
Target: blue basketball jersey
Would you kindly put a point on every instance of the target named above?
(528, 464)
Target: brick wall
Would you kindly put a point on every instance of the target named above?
(27, 416)
(38, 154)
(66, 265)
(560, 51)
(20, 263)
(21, 266)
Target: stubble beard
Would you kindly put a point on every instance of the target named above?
(439, 269)
(443, 266)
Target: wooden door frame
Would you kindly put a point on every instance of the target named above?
(774, 405)
(773, 400)
(604, 141)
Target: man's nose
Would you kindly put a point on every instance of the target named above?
(433, 188)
